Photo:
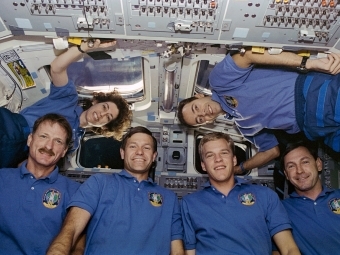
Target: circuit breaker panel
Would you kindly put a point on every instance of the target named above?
(288, 24)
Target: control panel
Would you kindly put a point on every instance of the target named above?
(287, 24)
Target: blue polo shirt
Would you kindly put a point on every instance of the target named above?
(128, 217)
(258, 98)
(61, 100)
(241, 223)
(316, 224)
(31, 210)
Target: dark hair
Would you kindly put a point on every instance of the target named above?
(213, 137)
(180, 110)
(115, 128)
(55, 118)
(292, 146)
(135, 130)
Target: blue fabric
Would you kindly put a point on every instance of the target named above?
(218, 224)
(62, 100)
(14, 131)
(123, 219)
(318, 107)
(259, 99)
(27, 226)
(316, 224)
(15, 128)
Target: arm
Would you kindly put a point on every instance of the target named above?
(79, 246)
(177, 247)
(285, 243)
(59, 64)
(190, 252)
(329, 64)
(259, 159)
(74, 224)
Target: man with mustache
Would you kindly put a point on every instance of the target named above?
(33, 197)
(126, 212)
(313, 209)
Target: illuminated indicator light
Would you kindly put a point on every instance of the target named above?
(332, 4)
(278, 1)
(324, 3)
(212, 4)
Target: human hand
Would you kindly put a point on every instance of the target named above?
(329, 64)
(92, 44)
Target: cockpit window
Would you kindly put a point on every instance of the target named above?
(99, 151)
(123, 75)
(202, 77)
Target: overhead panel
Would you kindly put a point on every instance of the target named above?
(98, 16)
(175, 18)
(274, 23)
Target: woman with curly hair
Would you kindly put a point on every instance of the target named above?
(116, 127)
(107, 114)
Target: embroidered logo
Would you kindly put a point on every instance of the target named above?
(51, 198)
(334, 205)
(247, 199)
(231, 101)
(156, 199)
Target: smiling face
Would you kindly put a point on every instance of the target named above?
(201, 111)
(46, 146)
(138, 155)
(218, 161)
(99, 114)
(302, 170)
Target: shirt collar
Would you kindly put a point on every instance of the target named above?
(228, 111)
(51, 178)
(324, 191)
(126, 174)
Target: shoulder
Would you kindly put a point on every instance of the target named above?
(69, 88)
(336, 192)
(259, 190)
(287, 202)
(8, 171)
(103, 178)
(8, 177)
(195, 197)
(71, 184)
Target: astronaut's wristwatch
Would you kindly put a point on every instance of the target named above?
(302, 67)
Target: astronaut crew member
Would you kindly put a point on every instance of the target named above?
(126, 212)
(109, 115)
(313, 209)
(230, 216)
(34, 197)
(264, 93)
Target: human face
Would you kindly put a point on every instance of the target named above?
(218, 161)
(100, 114)
(138, 155)
(302, 170)
(201, 111)
(47, 145)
